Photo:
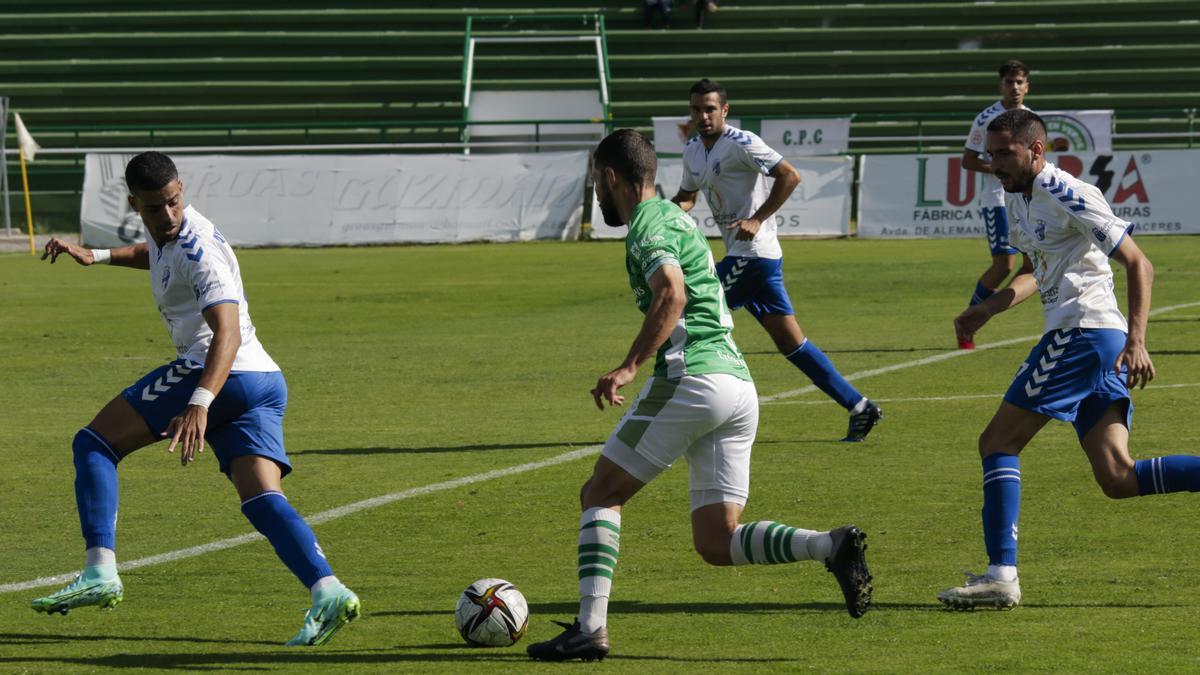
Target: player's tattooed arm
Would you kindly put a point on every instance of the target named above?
(1140, 275)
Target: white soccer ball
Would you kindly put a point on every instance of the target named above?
(491, 613)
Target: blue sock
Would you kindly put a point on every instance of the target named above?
(1001, 506)
(981, 293)
(1175, 473)
(294, 541)
(96, 488)
(813, 363)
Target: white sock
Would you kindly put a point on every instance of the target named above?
(322, 583)
(599, 544)
(1002, 572)
(766, 542)
(859, 407)
(99, 555)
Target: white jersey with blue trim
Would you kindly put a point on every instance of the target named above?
(1069, 232)
(192, 273)
(993, 192)
(733, 177)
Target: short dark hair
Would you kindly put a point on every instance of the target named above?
(628, 153)
(707, 86)
(1026, 126)
(149, 171)
(1013, 67)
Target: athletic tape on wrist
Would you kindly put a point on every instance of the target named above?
(201, 397)
(101, 256)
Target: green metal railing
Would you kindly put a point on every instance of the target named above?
(601, 35)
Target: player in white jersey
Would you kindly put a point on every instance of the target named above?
(222, 387)
(1081, 370)
(1014, 85)
(731, 165)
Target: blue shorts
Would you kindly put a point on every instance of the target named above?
(1069, 376)
(246, 418)
(996, 221)
(754, 283)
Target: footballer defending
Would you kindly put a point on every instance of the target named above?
(223, 388)
(1088, 358)
(700, 402)
(731, 166)
(1014, 84)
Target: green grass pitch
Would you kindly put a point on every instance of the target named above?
(413, 366)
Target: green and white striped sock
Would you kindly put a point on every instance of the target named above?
(599, 543)
(765, 542)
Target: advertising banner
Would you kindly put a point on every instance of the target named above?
(792, 138)
(318, 200)
(1078, 131)
(819, 206)
(931, 196)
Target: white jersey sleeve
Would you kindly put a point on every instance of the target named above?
(1092, 215)
(211, 279)
(977, 136)
(688, 183)
(756, 153)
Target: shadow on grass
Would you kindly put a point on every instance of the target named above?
(47, 638)
(443, 448)
(275, 659)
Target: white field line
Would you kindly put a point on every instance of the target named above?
(317, 518)
(374, 502)
(964, 397)
(941, 357)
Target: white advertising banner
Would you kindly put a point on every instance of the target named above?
(932, 196)
(1078, 131)
(819, 206)
(313, 200)
(791, 138)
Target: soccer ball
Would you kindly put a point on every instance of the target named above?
(491, 613)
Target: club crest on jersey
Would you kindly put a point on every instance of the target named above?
(717, 168)
(166, 276)
(1040, 230)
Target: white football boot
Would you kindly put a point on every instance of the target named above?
(982, 591)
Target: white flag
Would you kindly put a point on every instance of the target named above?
(28, 146)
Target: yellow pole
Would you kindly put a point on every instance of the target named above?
(28, 209)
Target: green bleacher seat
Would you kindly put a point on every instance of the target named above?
(136, 73)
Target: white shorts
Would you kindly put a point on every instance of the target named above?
(710, 418)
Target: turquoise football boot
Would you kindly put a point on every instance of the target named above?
(333, 608)
(97, 585)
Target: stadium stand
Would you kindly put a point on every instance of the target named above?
(253, 72)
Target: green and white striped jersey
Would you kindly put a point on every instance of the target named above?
(660, 233)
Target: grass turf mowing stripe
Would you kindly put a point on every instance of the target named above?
(341, 511)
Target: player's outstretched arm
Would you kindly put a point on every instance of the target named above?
(137, 256)
(670, 297)
(188, 427)
(685, 200)
(1140, 275)
(1018, 289)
